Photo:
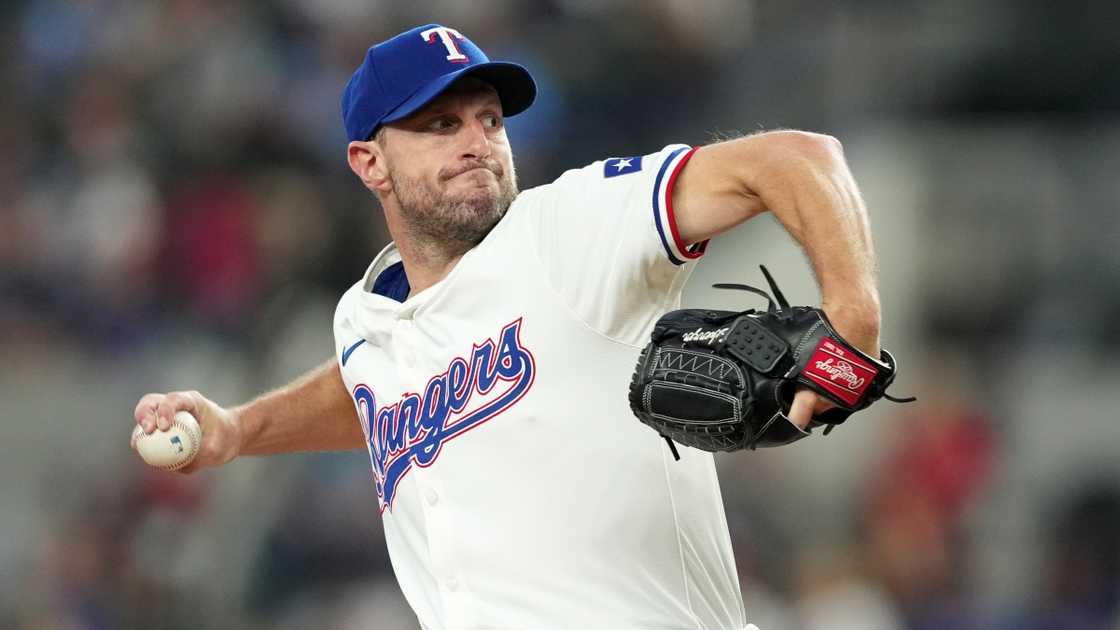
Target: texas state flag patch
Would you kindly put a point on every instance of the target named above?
(621, 166)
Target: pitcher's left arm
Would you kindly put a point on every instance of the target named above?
(804, 180)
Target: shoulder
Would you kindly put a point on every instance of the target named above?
(343, 312)
(612, 174)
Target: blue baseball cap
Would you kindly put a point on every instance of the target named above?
(402, 74)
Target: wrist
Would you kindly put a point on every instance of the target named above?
(861, 302)
(240, 424)
(865, 314)
(857, 322)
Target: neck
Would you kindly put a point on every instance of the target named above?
(425, 264)
(427, 258)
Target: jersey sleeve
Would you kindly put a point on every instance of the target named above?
(346, 333)
(608, 241)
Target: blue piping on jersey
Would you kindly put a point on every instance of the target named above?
(657, 206)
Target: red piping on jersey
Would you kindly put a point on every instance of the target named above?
(696, 250)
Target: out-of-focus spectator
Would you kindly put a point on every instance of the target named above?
(327, 537)
(213, 254)
(103, 565)
(1079, 583)
(914, 523)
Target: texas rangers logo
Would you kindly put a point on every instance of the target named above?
(414, 429)
(447, 37)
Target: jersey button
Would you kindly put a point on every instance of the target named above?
(452, 584)
(432, 497)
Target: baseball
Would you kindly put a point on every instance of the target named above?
(171, 449)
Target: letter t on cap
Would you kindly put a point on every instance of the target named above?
(444, 33)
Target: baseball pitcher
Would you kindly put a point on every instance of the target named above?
(484, 358)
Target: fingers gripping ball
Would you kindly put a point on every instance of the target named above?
(171, 449)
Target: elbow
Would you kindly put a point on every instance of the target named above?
(792, 156)
(814, 147)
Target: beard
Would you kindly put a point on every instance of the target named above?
(453, 220)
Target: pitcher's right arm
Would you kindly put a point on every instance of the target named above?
(312, 413)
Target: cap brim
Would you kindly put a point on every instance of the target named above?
(515, 86)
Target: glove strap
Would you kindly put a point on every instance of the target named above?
(672, 447)
(842, 373)
(779, 298)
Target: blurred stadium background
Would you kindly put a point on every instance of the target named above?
(177, 213)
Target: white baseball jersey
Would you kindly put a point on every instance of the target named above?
(517, 488)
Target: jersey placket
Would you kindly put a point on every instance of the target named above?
(453, 589)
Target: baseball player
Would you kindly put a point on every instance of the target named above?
(484, 356)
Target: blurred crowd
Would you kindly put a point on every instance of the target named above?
(184, 159)
(177, 213)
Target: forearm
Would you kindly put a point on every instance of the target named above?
(313, 413)
(810, 190)
(803, 179)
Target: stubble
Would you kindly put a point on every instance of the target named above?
(453, 222)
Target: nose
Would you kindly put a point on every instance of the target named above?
(476, 143)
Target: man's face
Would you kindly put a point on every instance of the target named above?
(450, 165)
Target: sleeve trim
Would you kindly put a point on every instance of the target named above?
(663, 216)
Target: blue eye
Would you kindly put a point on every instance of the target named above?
(441, 124)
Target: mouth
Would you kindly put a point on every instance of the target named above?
(477, 172)
(473, 170)
(480, 176)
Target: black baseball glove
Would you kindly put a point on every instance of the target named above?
(724, 381)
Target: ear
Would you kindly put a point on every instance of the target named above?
(367, 161)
